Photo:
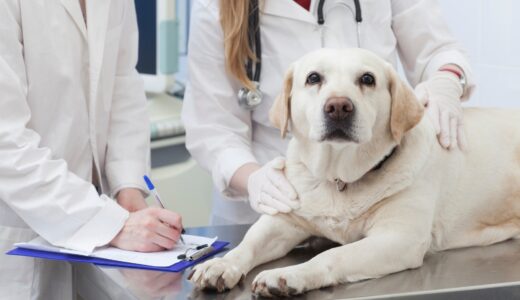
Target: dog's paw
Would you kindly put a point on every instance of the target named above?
(278, 283)
(216, 274)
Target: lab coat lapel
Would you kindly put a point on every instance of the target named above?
(97, 20)
(287, 9)
(74, 10)
(97, 16)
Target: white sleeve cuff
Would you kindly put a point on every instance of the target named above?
(228, 162)
(99, 230)
(123, 174)
(451, 57)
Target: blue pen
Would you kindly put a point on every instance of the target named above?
(152, 189)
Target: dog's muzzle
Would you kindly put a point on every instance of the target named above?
(339, 115)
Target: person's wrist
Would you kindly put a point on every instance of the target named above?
(240, 180)
(131, 199)
(133, 192)
(458, 72)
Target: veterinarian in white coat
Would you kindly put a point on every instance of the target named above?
(72, 112)
(238, 146)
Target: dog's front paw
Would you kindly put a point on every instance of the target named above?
(282, 282)
(216, 274)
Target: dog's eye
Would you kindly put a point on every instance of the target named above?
(367, 79)
(313, 78)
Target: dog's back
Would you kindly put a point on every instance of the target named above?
(479, 189)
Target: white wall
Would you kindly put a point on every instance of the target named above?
(489, 30)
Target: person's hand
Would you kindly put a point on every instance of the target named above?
(131, 199)
(441, 96)
(149, 230)
(269, 191)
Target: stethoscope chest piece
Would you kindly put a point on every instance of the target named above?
(250, 99)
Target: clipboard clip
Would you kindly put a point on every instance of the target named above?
(196, 253)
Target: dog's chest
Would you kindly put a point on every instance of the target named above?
(325, 212)
(339, 230)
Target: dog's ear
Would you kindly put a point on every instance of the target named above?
(406, 111)
(280, 112)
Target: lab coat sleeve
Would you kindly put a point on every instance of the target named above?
(425, 43)
(128, 148)
(218, 131)
(58, 205)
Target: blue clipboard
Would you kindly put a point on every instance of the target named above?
(178, 267)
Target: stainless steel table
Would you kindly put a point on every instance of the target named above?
(491, 272)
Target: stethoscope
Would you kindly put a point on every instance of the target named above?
(250, 99)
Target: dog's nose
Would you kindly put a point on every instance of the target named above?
(338, 108)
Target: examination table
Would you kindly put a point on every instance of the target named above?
(491, 272)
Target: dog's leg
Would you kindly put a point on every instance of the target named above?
(397, 239)
(372, 257)
(269, 238)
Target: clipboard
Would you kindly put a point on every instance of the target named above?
(218, 246)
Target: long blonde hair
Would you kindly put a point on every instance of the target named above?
(234, 16)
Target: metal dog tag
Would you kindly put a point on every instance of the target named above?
(340, 185)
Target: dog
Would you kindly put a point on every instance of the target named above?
(371, 176)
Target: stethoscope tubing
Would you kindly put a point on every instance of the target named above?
(255, 42)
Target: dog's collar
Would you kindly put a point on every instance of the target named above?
(341, 185)
(382, 162)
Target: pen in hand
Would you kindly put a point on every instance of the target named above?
(152, 189)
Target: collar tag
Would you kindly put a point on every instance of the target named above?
(340, 185)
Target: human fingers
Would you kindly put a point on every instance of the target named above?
(162, 242)
(267, 209)
(278, 163)
(168, 232)
(273, 191)
(444, 135)
(255, 206)
(271, 201)
(278, 179)
(453, 132)
(169, 217)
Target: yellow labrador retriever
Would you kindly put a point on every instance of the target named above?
(371, 176)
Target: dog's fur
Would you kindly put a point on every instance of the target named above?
(423, 198)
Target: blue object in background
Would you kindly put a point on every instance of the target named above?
(169, 47)
(147, 23)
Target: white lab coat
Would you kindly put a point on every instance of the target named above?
(221, 136)
(71, 102)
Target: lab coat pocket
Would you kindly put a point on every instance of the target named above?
(16, 273)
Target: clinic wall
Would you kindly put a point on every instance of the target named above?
(488, 29)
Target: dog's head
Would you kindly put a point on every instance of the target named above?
(344, 96)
